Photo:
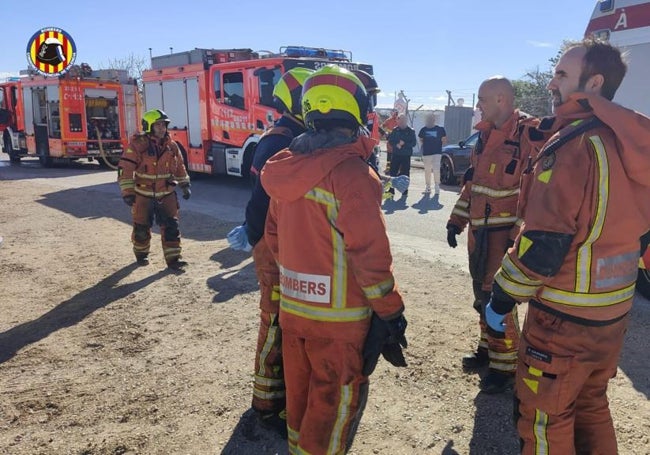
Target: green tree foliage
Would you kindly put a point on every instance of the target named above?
(531, 94)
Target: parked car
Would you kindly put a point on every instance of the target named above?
(455, 159)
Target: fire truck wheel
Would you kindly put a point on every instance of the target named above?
(46, 161)
(8, 148)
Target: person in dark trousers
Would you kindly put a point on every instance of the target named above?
(269, 397)
(402, 140)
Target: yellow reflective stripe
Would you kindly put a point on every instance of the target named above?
(493, 220)
(379, 290)
(339, 259)
(487, 191)
(152, 193)
(264, 395)
(326, 314)
(516, 273)
(509, 356)
(275, 293)
(292, 434)
(152, 176)
(292, 439)
(514, 288)
(460, 212)
(271, 336)
(588, 299)
(505, 367)
(342, 416)
(584, 256)
(171, 252)
(461, 203)
(268, 382)
(540, 424)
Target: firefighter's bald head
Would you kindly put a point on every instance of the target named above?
(496, 100)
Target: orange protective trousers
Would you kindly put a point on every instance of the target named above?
(501, 351)
(561, 386)
(326, 393)
(165, 212)
(268, 385)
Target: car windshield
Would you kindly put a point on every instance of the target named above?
(471, 141)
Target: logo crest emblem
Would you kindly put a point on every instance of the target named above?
(548, 161)
(51, 51)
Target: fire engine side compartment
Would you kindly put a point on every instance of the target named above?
(183, 100)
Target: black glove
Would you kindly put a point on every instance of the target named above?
(385, 338)
(186, 192)
(129, 200)
(452, 232)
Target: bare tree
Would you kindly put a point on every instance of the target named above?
(133, 64)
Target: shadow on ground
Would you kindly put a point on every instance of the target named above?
(427, 203)
(494, 429)
(634, 357)
(249, 437)
(72, 311)
(104, 201)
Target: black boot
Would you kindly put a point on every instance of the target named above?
(273, 421)
(142, 259)
(177, 265)
(497, 382)
(476, 360)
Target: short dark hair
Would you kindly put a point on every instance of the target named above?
(604, 59)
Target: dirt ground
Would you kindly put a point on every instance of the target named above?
(98, 356)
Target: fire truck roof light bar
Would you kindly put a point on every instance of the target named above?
(303, 51)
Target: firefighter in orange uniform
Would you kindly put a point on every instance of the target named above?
(326, 230)
(576, 257)
(268, 387)
(488, 204)
(149, 170)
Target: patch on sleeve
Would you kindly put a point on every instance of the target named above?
(548, 161)
(545, 176)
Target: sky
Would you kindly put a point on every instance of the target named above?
(424, 47)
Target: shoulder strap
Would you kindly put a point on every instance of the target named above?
(559, 141)
(280, 130)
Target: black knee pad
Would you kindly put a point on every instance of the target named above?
(141, 232)
(171, 230)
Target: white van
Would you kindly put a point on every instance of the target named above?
(626, 24)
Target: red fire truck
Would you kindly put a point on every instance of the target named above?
(220, 100)
(57, 118)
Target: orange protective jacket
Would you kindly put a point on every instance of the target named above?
(578, 251)
(489, 198)
(149, 167)
(326, 230)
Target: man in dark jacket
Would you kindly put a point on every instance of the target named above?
(268, 387)
(402, 139)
